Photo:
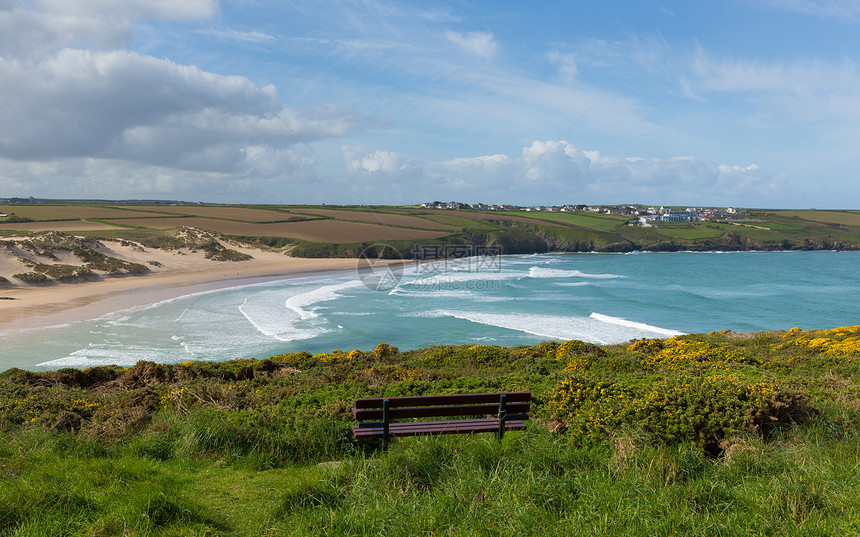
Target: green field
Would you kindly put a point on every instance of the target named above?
(600, 222)
(704, 434)
(850, 218)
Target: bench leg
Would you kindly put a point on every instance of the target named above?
(503, 412)
(385, 422)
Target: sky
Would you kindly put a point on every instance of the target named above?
(750, 103)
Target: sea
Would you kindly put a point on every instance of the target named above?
(499, 300)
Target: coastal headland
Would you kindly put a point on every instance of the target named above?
(62, 262)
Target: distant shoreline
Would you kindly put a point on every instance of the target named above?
(31, 307)
(59, 304)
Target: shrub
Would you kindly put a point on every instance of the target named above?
(384, 352)
(62, 272)
(32, 277)
(648, 346)
(843, 341)
(677, 354)
(226, 254)
(301, 360)
(437, 356)
(484, 355)
(677, 409)
(574, 346)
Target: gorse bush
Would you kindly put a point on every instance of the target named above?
(576, 347)
(841, 341)
(677, 354)
(701, 410)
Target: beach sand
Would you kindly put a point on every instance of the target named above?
(174, 273)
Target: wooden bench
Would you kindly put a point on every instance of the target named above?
(376, 415)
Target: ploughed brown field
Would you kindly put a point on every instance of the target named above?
(71, 212)
(330, 231)
(351, 226)
(230, 213)
(376, 218)
(62, 225)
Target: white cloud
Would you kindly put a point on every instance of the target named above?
(262, 174)
(379, 161)
(550, 172)
(33, 29)
(124, 105)
(81, 115)
(28, 34)
(132, 9)
(438, 15)
(844, 9)
(565, 62)
(808, 89)
(235, 35)
(480, 44)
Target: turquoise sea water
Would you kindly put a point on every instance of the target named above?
(508, 300)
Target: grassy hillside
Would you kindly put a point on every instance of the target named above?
(705, 434)
(325, 231)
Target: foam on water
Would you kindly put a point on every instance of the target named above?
(543, 272)
(596, 328)
(454, 277)
(292, 318)
(301, 302)
(661, 332)
(527, 299)
(98, 355)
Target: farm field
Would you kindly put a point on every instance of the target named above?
(581, 219)
(328, 231)
(697, 231)
(376, 217)
(227, 213)
(492, 216)
(849, 218)
(69, 212)
(61, 225)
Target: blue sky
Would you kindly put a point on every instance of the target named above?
(750, 103)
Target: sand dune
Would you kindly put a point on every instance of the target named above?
(172, 273)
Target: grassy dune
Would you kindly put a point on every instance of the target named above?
(708, 434)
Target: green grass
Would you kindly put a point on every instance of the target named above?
(600, 222)
(458, 221)
(533, 483)
(705, 434)
(692, 231)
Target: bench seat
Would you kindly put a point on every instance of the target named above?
(375, 416)
(483, 425)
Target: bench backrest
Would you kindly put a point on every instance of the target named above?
(441, 405)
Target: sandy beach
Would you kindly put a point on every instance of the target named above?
(173, 273)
